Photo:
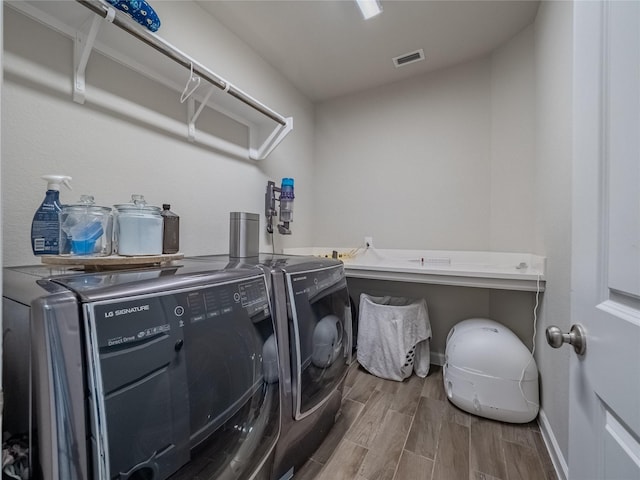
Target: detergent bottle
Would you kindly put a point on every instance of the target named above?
(45, 227)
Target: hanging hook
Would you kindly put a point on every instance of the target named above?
(192, 83)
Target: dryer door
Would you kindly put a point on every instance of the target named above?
(320, 333)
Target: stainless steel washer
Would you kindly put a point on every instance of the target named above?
(160, 373)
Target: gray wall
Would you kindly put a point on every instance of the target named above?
(112, 156)
(554, 58)
(512, 194)
(448, 305)
(440, 161)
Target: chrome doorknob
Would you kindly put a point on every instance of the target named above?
(575, 337)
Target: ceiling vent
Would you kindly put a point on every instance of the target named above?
(408, 58)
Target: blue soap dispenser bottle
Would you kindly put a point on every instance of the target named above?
(45, 227)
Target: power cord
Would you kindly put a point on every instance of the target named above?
(273, 245)
(533, 348)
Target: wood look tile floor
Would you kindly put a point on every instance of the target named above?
(409, 431)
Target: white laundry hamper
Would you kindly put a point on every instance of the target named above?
(489, 372)
(393, 336)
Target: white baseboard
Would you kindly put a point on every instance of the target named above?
(557, 458)
(436, 358)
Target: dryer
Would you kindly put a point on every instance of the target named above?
(313, 321)
(154, 374)
(311, 304)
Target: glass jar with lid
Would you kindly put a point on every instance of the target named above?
(138, 228)
(86, 228)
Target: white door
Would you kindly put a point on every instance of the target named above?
(604, 410)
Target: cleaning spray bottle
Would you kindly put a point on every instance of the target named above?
(45, 228)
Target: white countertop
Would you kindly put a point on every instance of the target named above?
(500, 270)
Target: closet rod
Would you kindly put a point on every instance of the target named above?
(161, 46)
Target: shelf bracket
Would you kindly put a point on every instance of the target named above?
(193, 114)
(83, 44)
(272, 141)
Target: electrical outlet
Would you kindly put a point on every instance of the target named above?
(368, 242)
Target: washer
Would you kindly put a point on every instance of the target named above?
(311, 303)
(159, 373)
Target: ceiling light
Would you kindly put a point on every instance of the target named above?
(369, 8)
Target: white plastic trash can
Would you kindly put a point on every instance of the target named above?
(393, 336)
